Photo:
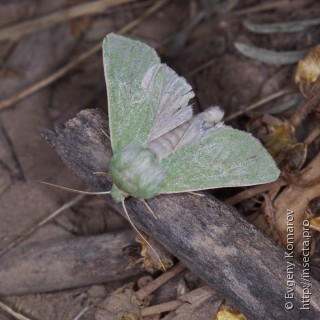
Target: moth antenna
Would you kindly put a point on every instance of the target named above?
(74, 190)
(148, 207)
(106, 134)
(143, 238)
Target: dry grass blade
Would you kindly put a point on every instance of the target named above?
(21, 29)
(314, 134)
(152, 286)
(163, 307)
(304, 110)
(41, 223)
(153, 9)
(50, 79)
(266, 5)
(82, 312)
(13, 313)
(202, 67)
(175, 44)
(270, 56)
(254, 191)
(281, 27)
(81, 58)
(296, 198)
(259, 103)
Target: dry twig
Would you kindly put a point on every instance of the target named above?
(41, 223)
(260, 103)
(265, 6)
(158, 282)
(13, 313)
(23, 28)
(296, 197)
(304, 110)
(254, 191)
(314, 134)
(162, 307)
(76, 61)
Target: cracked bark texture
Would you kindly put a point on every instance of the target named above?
(208, 236)
(65, 263)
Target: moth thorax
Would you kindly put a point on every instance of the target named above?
(135, 171)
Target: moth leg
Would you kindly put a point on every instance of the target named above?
(148, 207)
(106, 134)
(140, 234)
(196, 194)
(74, 190)
(100, 173)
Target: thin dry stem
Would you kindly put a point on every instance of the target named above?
(141, 235)
(155, 284)
(304, 110)
(13, 313)
(92, 7)
(260, 103)
(270, 6)
(202, 67)
(16, 97)
(162, 307)
(41, 223)
(314, 134)
(254, 191)
(82, 312)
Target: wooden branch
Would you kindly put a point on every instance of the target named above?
(208, 236)
(65, 263)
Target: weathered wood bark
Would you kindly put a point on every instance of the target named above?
(65, 263)
(208, 236)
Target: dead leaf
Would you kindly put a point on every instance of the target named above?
(201, 304)
(150, 260)
(296, 198)
(278, 137)
(226, 313)
(315, 224)
(123, 304)
(307, 75)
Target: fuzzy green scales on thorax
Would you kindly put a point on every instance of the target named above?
(135, 171)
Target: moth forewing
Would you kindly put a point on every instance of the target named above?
(126, 63)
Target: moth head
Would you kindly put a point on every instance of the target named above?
(136, 172)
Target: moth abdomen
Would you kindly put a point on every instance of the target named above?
(168, 142)
(196, 128)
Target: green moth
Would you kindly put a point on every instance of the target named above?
(158, 145)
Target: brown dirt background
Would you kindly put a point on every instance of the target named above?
(232, 81)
